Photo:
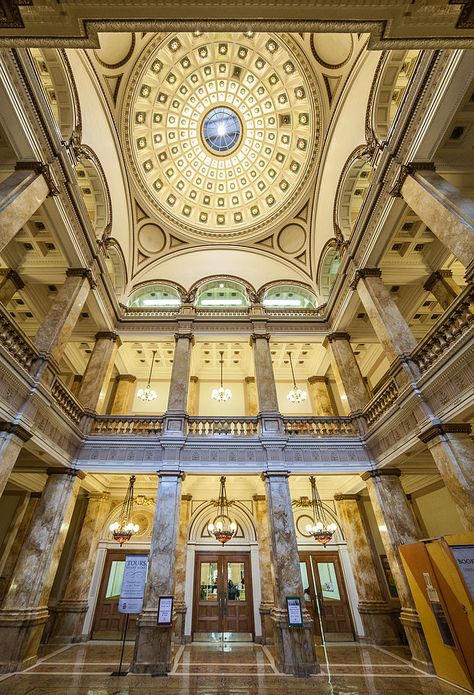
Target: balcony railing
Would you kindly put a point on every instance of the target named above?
(128, 424)
(320, 426)
(15, 342)
(234, 427)
(66, 401)
(381, 402)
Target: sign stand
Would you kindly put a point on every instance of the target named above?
(124, 637)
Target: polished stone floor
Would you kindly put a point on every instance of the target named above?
(227, 669)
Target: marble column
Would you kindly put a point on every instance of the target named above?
(58, 324)
(443, 288)
(71, 610)
(251, 397)
(452, 449)
(24, 611)
(21, 194)
(153, 642)
(193, 397)
(351, 386)
(124, 394)
(179, 383)
(377, 616)
(398, 526)
(10, 283)
(320, 397)
(96, 379)
(180, 568)
(294, 647)
(265, 562)
(443, 208)
(271, 422)
(12, 439)
(76, 384)
(22, 529)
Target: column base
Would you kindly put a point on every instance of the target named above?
(68, 621)
(379, 623)
(265, 611)
(179, 622)
(420, 654)
(295, 652)
(152, 646)
(20, 637)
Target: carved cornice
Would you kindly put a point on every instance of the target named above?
(379, 472)
(408, 170)
(442, 429)
(16, 429)
(364, 273)
(435, 277)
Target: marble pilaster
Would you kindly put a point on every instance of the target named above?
(24, 611)
(443, 208)
(153, 642)
(377, 616)
(95, 381)
(452, 449)
(443, 288)
(265, 565)
(58, 324)
(124, 394)
(180, 568)
(179, 383)
(319, 396)
(71, 610)
(351, 386)
(10, 283)
(21, 194)
(12, 439)
(251, 397)
(398, 526)
(22, 529)
(294, 647)
(193, 396)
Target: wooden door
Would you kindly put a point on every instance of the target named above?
(222, 594)
(108, 622)
(326, 583)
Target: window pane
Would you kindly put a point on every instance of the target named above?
(327, 577)
(235, 581)
(114, 584)
(208, 591)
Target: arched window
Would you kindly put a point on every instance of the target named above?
(222, 293)
(155, 295)
(289, 297)
(355, 182)
(54, 79)
(93, 187)
(328, 270)
(392, 85)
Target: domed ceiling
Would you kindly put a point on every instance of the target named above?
(221, 131)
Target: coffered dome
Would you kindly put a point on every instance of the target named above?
(222, 130)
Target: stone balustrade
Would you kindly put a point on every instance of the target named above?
(14, 342)
(66, 401)
(124, 424)
(381, 402)
(235, 427)
(320, 426)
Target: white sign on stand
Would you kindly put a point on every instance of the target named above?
(133, 585)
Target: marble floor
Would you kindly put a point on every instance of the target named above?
(227, 669)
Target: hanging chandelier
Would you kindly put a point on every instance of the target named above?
(321, 531)
(222, 527)
(124, 528)
(148, 394)
(295, 395)
(221, 394)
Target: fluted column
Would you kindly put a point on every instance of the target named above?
(265, 565)
(72, 608)
(193, 397)
(10, 283)
(95, 381)
(12, 557)
(153, 642)
(443, 208)
(180, 568)
(443, 288)
(319, 396)
(24, 611)
(251, 397)
(124, 394)
(351, 386)
(452, 449)
(294, 649)
(398, 525)
(58, 324)
(377, 616)
(12, 439)
(21, 194)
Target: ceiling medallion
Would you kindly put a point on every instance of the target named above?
(222, 130)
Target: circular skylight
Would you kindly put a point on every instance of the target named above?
(221, 129)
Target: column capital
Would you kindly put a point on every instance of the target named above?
(108, 335)
(407, 170)
(63, 470)
(41, 169)
(333, 337)
(126, 377)
(441, 429)
(259, 498)
(98, 496)
(82, 273)
(194, 379)
(434, 277)
(339, 497)
(12, 275)
(364, 273)
(259, 336)
(249, 380)
(318, 380)
(170, 473)
(379, 472)
(16, 429)
(266, 475)
(186, 498)
(185, 334)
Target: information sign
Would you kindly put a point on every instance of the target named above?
(165, 610)
(295, 614)
(133, 585)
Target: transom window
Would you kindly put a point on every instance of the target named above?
(289, 297)
(222, 293)
(155, 296)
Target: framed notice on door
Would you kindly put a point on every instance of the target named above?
(295, 614)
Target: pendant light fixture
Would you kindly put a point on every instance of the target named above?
(221, 394)
(148, 394)
(320, 529)
(222, 527)
(295, 395)
(124, 528)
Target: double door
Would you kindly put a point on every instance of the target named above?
(223, 596)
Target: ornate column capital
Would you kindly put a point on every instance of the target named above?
(407, 170)
(194, 379)
(12, 275)
(16, 429)
(41, 169)
(266, 475)
(108, 335)
(185, 335)
(441, 429)
(170, 473)
(333, 337)
(186, 498)
(339, 497)
(249, 380)
(257, 336)
(126, 377)
(82, 273)
(379, 472)
(434, 277)
(63, 470)
(364, 273)
(318, 380)
(259, 498)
